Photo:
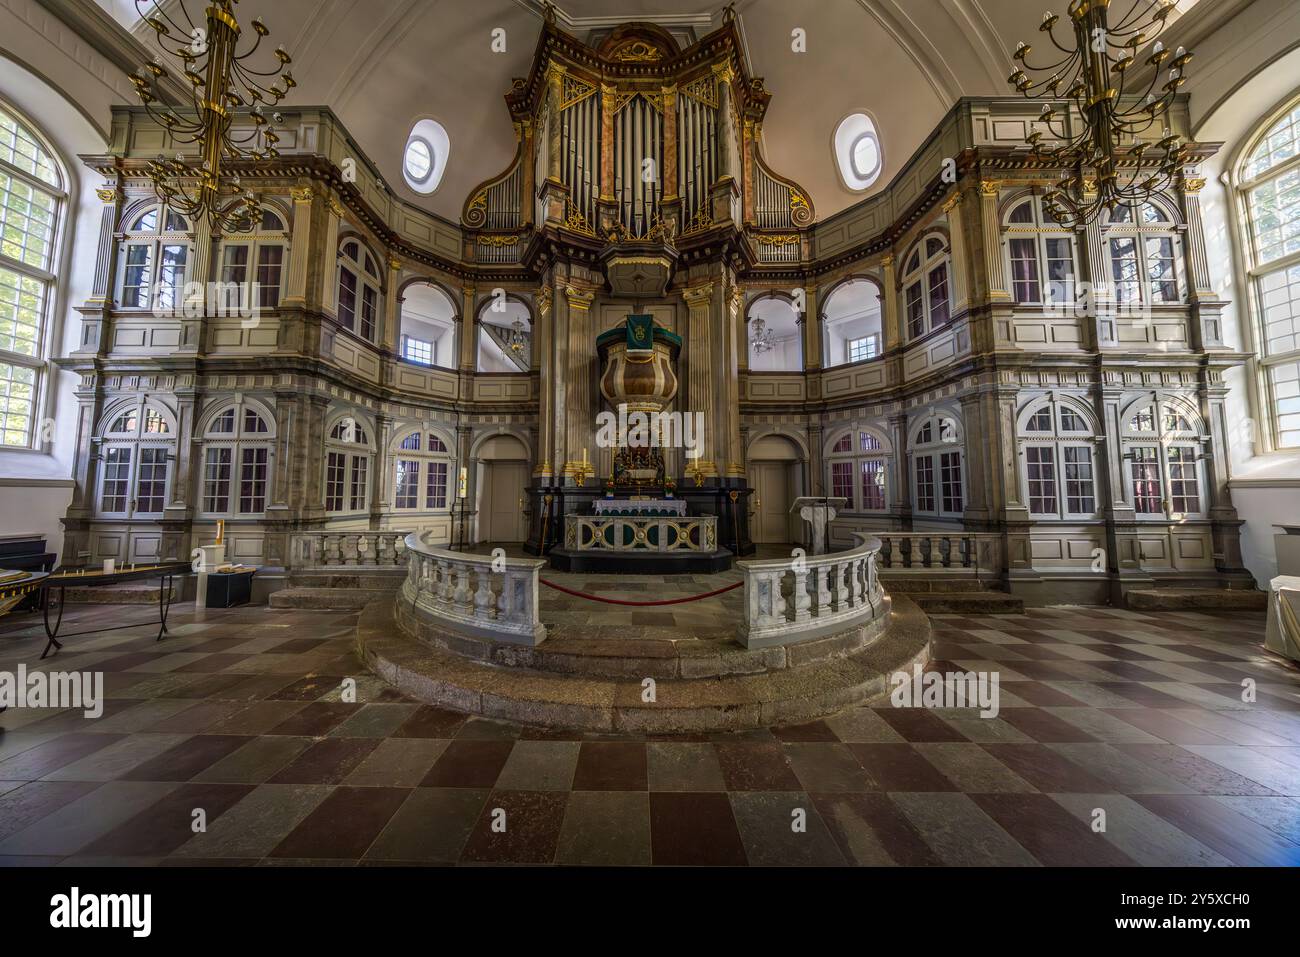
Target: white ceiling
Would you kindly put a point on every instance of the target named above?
(381, 65)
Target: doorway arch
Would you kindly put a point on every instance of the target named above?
(501, 472)
(776, 469)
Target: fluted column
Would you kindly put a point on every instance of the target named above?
(960, 273)
(329, 293)
(1207, 331)
(101, 290)
(732, 343)
(812, 331)
(392, 308)
(698, 393)
(580, 379)
(295, 283)
(1096, 271)
(468, 332)
(544, 356)
(892, 321)
(994, 272)
(900, 499)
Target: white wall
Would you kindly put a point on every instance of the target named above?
(65, 88)
(1239, 75)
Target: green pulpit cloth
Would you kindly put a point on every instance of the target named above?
(640, 333)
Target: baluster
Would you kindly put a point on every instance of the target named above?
(887, 549)
(967, 547)
(823, 589)
(506, 600)
(484, 600)
(802, 600)
(857, 582)
(460, 596)
(909, 550)
(444, 581)
(945, 551)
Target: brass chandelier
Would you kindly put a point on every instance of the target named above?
(1109, 163)
(221, 81)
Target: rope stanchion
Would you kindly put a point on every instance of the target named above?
(624, 601)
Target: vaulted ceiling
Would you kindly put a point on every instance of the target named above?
(383, 64)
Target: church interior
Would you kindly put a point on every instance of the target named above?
(650, 432)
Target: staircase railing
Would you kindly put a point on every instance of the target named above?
(798, 598)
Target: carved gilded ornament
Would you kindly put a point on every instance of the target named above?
(723, 72)
(394, 263)
(698, 295)
(953, 202)
(336, 207)
(989, 187)
(301, 194)
(638, 51)
(1194, 185)
(479, 201)
(702, 220)
(578, 298)
(543, 302)
(498, 241)
(791, 239)
(109, 194)
(887, 261)
(575, 221)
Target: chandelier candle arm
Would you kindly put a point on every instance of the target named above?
(1109, 165)
(220, 83)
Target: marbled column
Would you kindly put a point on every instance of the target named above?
(329, 293)
(698, 380)
(670, 171)
(892, 319)
(468, 332)
(544, 357)
(732, 344)
(381, 490)
(978, 471)
(287, 410)
(392, 308)
(812, 331)
(607, 98)
(313, 472)
(900, 500)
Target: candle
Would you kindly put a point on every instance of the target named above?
(221, 530)
(584, 456)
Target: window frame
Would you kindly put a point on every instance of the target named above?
(1263, 397)
(155, 241)
(1040, 230)
(255, 241)
(424, 460)
(928, 450)
(240, 440)
(1142, 232)
(856, 457)
(1057, 440)
(922, 275)
(358, 456)
(47, 325)
(1162, 439)
(363, 281)
(135, 440)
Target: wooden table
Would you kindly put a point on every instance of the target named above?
(166, 574)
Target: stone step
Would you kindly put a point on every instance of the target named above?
(380, 580)
(734, 702)
(1188, 599)
(901, 582)
(574, 650)
(342, 599)
(127, 594)
(970, 603)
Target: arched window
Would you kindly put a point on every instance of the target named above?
(1057, 468)
(1144, 252)
(422, 464)
(1163, 448)
(774, 334)
(137, 447)
(428, 326)
(851, 329)
(926, 296)
(155, 260)
(1040, 255)
(252, 264)
(505, 340)
(32, 199)
(236, 460)
(349, 453)
(858, 465)
(937, 479)
(1269, 196)
(359, 290)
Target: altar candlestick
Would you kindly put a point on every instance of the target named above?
(221, 530)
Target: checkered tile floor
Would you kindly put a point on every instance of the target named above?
(240, 715)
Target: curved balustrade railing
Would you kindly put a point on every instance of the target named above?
(794, 599)
(481, 595)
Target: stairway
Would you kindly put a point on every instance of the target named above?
(953, 596)
(703, 686)
(1197, 599)
(342, 590)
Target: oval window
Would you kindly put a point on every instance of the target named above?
(424, 158)
(858, 154)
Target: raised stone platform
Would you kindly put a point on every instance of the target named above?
(599, 684)
(1197, 599)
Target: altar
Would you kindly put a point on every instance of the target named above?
(640, 505)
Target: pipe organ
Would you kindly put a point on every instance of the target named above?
(632, 137)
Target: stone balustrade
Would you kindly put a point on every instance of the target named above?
(478, 595)
(974, 553)
(355, 549)
(794, 599)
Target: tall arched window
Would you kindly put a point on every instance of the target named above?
(32, 199)
(858, 464)
(349, 453)
(1268, 181)
(1040, 255)
(1057, 468)
(1144, 253)
(155, 258)
(937, 478)
(851, 323)
(775, 334)
(137, 447)
(237, 460)
(359, 289)
(1163, 449)
(252, 263)
(429, 323)
(422, 472)
(926, 295)
(505, 335)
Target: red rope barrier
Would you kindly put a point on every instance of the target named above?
(622, 601)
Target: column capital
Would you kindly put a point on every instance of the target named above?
(302, 194)
(109, 194)
(990, 187)
(394, 263)
(698, 294)
(336, 207)
(578, 298)
(542, 300)
(953, 201)
(1193, 184)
